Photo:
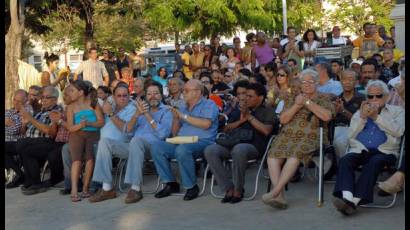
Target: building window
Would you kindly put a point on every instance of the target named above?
(37, 58)
(76, 57)
(38, 67)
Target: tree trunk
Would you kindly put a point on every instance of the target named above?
(88, 9)
(176, 37)
(13, 49)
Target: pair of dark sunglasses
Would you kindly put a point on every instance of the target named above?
(373, 96)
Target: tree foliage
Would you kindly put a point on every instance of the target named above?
(352, 14)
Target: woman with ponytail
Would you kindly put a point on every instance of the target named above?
(84, 119)
(49, 77)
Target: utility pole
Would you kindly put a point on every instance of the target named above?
(285, 20)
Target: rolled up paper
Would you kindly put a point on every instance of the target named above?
(182, 140)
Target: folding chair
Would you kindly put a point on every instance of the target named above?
(257, 175)
(391, 204)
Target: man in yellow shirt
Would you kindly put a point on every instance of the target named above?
(186, 62)
(197, 58)
(397, 53)
(369, 43)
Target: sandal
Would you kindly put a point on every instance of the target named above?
(75, 198)
(85, 194)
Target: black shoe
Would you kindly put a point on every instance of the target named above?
(344, 206)
(34, 189)
(65, 191)
(235, 199)
(17, 181)
(192, 193)
(171, 187)
(226, 199)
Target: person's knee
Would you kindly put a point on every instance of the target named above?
(210, 152)
(183, 152)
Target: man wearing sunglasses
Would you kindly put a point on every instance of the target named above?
(39, 144)
(374, 137)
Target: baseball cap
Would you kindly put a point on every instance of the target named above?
(355, 61)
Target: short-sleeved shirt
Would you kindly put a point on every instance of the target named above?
(44, 118)
(203, 109)
(352, 106)
(388, 73)
(109, 130)
(12, 133)
(264, 114)
(196, 60)
(368, 45)
(93, 71)
(186, 69)
(331, 86)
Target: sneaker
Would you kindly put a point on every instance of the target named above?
(102, 195)
(133, 196)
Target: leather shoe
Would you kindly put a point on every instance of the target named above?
(344, 206)
(192, 193)
(171, 187)
(226, 199)
(34, 189)
(236, 199)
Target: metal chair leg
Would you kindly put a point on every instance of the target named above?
(43, 171)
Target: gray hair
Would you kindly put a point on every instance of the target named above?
(179, 81)
(379, 84)
(349, 72)
(141, 79)
(309, 72)
(53, 90)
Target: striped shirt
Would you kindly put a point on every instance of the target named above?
(93, 71)
(42, 116)
(12, 133)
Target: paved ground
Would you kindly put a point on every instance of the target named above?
(52, 211)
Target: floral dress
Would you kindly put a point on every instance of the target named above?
(300, 137)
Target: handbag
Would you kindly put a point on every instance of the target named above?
(234, 137)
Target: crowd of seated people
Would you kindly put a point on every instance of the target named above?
(255, 87)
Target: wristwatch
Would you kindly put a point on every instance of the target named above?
(152, 121)
(185, 116)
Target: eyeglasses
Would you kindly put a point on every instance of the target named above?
(205, 82)
(373, 96)
(105, 53)
(122, 95)
(47, 97)
(281, 75)
(33, 95)
(311, 82)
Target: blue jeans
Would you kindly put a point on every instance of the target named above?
(185, 154)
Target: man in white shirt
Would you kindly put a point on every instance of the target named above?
(93, 70)
(336, 38)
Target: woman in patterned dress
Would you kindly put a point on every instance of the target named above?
(299, 136)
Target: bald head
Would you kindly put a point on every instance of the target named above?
(20, 98)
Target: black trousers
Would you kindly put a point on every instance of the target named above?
(9, 157)
(373, 162)
(34, 152)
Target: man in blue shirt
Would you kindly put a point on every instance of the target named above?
(374, 136)
(326, 83)
(198, 117)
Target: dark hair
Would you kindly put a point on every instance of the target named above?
(370, 61)
(35, 87)
(230, 48)
(154, 83)
(105, 89)
(336, 61)
(159, 70)
(211, 81)
(206, 73)
(259, 78)
(250, 36)
(205, 93)
(120, 84)
(50, 58)
(315, 37)
(327, 67)
(91, 49)
(245, 72)
(292, 60)
(259, 89)
(377, 54)
(183, 77)
(271, 67)
(367, 24)
(242, 84)
(88, 90)
(290, 28)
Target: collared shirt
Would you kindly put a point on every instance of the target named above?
(203, 109)
(175, 102)
(371, 135)
(163, 119)
(42, 117)
(331, 86)
(352, 106)
(197, 60)
(390, 120)
(93, 71)
(109, 130)
(12, 133)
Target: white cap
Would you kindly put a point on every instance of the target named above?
(356, 62)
